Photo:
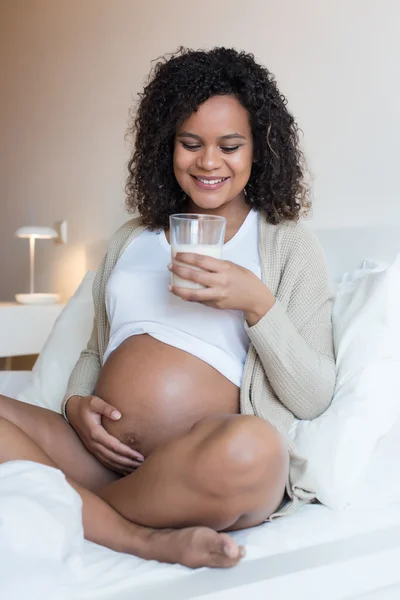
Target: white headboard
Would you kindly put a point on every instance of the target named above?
(346, 249)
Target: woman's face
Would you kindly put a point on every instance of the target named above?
(213, 153)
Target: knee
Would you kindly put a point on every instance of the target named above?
(252, 444)
(242, 450)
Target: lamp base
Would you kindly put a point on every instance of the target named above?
(37, 298)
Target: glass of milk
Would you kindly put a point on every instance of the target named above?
(198, 234)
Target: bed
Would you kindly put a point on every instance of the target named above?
(315, 554)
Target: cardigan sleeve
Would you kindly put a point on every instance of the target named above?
(294, 341)
(83, 379)
(84, 376)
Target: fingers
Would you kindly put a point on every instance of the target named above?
(111, 443)
(203, 277)
(115, 461)
(113, 466)
(208, 263)
(107, 448)
(98, 405)
(100, 435)
(204, 295)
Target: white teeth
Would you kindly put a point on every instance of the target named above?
(210, 181)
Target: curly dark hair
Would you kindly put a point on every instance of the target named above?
(178, 84)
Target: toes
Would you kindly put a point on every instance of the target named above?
(226, 546)
(226, 552)
(203, 547)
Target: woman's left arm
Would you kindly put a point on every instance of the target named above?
(299, 361)
(294, 342)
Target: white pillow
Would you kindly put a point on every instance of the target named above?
(339, 444)
(67, 339)
(382, 483)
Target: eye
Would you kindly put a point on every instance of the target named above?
(229, 149)
(192, 147)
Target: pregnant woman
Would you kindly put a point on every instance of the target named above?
(179, 415)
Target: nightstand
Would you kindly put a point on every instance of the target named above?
(24, 329)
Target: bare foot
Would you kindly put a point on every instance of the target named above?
(192, 547)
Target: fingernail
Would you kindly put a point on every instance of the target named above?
(115, 414)
(170, 288)
(170, 266)
(242, 552)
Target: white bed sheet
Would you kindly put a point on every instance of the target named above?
(109, 577)
(104, 574)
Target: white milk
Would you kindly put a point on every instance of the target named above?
(208, 250)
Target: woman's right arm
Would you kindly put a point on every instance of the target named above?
(84, 376)
(80, 407)
(85, 412)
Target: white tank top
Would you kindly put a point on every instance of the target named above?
(138, 302)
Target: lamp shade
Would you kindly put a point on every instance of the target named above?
(33, 231)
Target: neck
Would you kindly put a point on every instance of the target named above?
(235, 212)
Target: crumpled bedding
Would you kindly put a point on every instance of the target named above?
(43, 555)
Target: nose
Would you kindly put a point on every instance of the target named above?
(208, 159)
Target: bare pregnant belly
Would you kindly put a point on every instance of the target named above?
(161, 392)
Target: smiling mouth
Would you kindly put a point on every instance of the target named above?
(210, 182)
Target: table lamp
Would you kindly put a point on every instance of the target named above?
(33, 233)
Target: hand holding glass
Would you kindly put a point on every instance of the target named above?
(196, 234)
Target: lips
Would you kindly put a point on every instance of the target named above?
(209, 183)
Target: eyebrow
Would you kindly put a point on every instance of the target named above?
(229, 136)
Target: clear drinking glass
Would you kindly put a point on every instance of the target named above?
(198, 234)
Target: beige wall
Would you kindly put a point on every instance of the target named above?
(70, 69)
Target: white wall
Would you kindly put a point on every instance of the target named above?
(72, 67)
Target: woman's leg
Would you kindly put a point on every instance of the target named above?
(53, 434)
(193, 547)
(228, 472)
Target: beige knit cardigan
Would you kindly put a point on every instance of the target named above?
(290, 367)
